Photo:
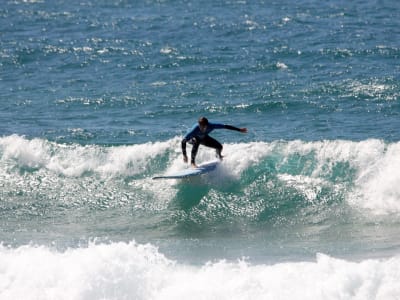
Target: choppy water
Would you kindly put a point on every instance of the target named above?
(95, 97)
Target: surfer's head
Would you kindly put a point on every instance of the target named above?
(203, 123)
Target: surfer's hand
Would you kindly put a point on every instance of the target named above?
(185, 159)
(243, 130)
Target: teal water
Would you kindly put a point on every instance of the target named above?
(95, 98)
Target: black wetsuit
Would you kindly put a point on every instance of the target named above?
(196, 137)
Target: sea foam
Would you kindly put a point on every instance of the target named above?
(133, 271)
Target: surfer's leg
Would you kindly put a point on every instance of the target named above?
(213, 143)
(195, 146)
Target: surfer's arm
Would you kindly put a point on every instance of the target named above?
(183, 146)
(230, 127)
(189, 135)
(225, 126)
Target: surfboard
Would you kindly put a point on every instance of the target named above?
(201, 169)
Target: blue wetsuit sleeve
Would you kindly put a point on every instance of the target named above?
(231, 127)
(216, 126)
(190, 134)
(220, 126)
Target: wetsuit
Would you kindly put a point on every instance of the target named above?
(196, 137)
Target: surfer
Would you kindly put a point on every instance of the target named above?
(199, 135)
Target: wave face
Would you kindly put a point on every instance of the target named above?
(317, 194)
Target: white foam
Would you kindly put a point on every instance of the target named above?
(74, 160)
(30, 153)
(308, 186)
(377, 185)
(376, 165)
(281, 65)
(134, 271)
(130, 160)
(168, 50)
(240, 157)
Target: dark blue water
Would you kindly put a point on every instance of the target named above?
(95, 97)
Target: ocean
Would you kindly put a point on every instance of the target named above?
(95, 97)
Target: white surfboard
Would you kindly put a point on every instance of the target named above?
(201, 169)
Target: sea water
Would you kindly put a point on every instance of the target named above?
(95, 97)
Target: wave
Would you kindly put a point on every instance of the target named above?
(135, 271)
(361, 174)
(75, 160)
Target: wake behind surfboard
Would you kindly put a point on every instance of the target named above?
(201, 169)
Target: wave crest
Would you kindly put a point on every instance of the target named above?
(362, 174)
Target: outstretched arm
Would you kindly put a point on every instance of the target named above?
(243, 130)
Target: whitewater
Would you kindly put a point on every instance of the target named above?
(132, 271)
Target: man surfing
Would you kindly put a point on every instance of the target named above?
(199, 135)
